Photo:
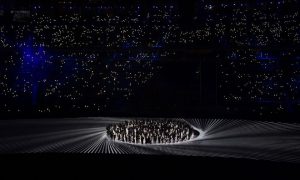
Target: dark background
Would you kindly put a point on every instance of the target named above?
(137, 167)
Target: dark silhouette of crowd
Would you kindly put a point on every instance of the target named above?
(151, 131)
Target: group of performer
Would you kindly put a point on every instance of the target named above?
(150, 131)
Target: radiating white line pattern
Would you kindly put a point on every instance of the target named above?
(218, 138)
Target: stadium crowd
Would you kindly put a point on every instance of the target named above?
(67, 57)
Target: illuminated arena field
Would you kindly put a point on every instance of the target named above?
(216, 138)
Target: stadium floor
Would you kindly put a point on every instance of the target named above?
(244, 139)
